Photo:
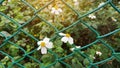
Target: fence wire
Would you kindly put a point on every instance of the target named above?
(99, 38)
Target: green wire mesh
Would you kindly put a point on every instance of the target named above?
(1, 1)
(58, 59)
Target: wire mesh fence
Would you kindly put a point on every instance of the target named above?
(99, 39)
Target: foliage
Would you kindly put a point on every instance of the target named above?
(107, 20)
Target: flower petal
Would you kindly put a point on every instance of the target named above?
(46, 39)
(75, 0)
(64, 39)
(76, 3)
(39, 48)
(101, 4)
(98, 53)
(78, 46)
(52, 11)
(39, 42)
(60, 10)
(44, 50)
(57, 12)
(72, 49)
(49, 45)
(70, 40)
(62, 34)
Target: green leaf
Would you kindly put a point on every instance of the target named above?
(14, 50)
(2, 24)
(3, 8)
(47, 59)
(76, 63)
(59, 50)
(1, 66)
(58, 42)
(79, 57)
(92, 51)
(9, 63)
(86, 62)
(5, 59)
(57, 65)
(30, 65)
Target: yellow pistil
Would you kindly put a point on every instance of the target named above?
(67, 35)
(56, 7)
(42, 44)
(63, 18)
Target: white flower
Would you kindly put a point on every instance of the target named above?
(44, 44)
(113, 19)
(119, 2)
(91, 16)
(98, 53)
(9, 0)
(92, 57)
(56, 10)
(66, 38)
(102, 3)
(72, 49)
(50, 21)
(76, 2)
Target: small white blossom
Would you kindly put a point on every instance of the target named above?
(119, 2)
(92, 57)
(66, 38)
(98, 53)
(50, 21)
(102, 3)
(76, 2)
(56, 10)
(91, 16)
(9, 0)
(44, 44)
(113, 19)
(72, 49)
